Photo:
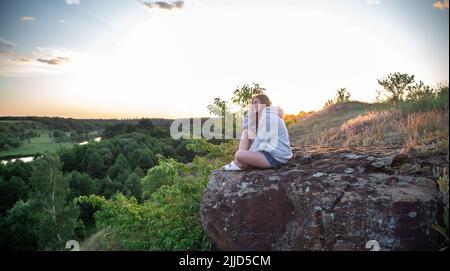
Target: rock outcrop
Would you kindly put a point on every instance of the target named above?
(328, 199)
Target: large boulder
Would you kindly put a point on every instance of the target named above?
(328, 199)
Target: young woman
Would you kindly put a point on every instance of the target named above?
(270, 147)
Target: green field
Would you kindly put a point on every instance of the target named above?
(36, 145)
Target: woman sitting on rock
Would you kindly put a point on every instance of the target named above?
(270, 147)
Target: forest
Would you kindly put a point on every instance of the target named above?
(115, 165)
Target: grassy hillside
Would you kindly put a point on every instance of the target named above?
(313, 128)
(352, 124)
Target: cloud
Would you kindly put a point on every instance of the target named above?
(54, 61)
(29, 19)
(72, 2)
(163, 4)
(42, 60)
(441, 4)
(47, 56)
(373, 2)
(62, 21)
(5, 43)
(10, 57)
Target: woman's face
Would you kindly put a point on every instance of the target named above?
(257, 106)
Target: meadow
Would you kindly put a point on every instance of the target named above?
(36, 145)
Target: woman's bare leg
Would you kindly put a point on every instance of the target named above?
(247, 159)
(244, 144)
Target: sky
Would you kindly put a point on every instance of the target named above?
(142, 58)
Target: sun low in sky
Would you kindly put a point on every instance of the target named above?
(142, 58)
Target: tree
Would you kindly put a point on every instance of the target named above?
(95, 165)
(11, 191)
(219, 107)
(80, 184)
(56, 214)
(121, 165)
(419, 91)
(394, 86)
(243, 96)
(69, 159)
(19, 229)
(108, 187)
(143, 158)
(147, 123)
(342, 95)
(162, 174)
(133, 187)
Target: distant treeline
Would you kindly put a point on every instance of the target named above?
(15, 130)
(80, 125)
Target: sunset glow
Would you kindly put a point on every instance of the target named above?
(141, 61)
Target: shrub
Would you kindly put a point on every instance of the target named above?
(169, 218)
(443, 187)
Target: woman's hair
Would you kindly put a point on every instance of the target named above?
(263, 99)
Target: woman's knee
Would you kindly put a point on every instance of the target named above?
(239, 155)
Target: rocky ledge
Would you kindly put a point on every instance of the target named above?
(328, 199)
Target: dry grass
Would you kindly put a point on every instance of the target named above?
(375, 128)
(427, 131)
(350, 127)
(322, 127)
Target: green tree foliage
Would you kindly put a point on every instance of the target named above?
(419, 91)
(162, 174)
(120, 166)
(132, 186)
(168, 221)
(144, 126)
(219, 107)
(169, 218)
(80, 184)
(14, 133)
(243, 96)
(126, 157)
(18, 168)
(109, 187)
(143, 158)
(423, 98)
(11, 191)
(57, 215)
(95, 165)
(19, 229)
(395, 86)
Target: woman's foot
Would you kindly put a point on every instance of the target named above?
(232, 167)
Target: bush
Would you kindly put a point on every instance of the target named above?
(169, 218)
(443, 187)
(163, 174)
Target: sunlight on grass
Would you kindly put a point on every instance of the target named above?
(36, 145)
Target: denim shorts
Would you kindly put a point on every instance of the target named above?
(274, 163)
